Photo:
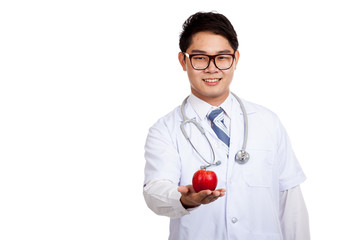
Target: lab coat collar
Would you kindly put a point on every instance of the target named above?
(203, 108)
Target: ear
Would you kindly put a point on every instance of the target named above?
(237, 56)
(182, 60)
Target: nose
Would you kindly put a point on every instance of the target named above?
(212, 67)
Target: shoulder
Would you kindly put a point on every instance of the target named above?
(259, 110)
(169, 120)
(262, 118)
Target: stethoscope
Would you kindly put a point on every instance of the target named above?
(241, 157)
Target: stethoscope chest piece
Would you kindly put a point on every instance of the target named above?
(242, 157)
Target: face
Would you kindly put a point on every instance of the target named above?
(210, 84)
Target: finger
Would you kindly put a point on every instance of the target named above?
(215, 193)
(213, 196)
(212, 199)
(209, 199)
(221, 191)
(191, 188)
(203, 194)
(183, 189)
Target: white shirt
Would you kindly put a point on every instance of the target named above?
(258, 203)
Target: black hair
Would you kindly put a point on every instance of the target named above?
(207, 22)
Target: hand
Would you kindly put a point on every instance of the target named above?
(190, 198)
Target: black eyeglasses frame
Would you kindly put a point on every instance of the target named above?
(211, 57)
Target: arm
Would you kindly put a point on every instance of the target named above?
(162, 197)
(162, 173)
(167, 199)
(294, 217)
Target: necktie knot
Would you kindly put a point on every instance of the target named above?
(216, 115)
(217, 124)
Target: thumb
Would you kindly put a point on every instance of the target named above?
(183, 189)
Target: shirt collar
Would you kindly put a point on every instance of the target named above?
(202, 108)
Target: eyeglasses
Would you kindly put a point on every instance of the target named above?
(202, 61)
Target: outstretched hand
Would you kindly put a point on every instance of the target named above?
(190, 198)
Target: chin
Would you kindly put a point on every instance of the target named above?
(211, 95)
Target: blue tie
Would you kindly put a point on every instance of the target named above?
(217, 124)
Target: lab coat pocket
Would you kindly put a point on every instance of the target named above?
(257, 172)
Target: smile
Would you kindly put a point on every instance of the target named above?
(211, 80)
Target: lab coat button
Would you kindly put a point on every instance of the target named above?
(234, 220)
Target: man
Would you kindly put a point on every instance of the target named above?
(260, 199)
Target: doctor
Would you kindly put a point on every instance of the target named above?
(258, 200)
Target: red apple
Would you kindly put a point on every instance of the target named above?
(204, 180)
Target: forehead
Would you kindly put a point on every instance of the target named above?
(209, 42)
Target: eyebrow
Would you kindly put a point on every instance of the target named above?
(204, 52)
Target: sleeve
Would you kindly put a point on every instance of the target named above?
(161, 155)
(294, 217)
(162, 173)
(162, 197)
(290, 172)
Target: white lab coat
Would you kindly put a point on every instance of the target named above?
(250, 208)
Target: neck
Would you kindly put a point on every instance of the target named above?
(212, 100)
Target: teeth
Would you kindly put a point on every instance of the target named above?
(212, 80)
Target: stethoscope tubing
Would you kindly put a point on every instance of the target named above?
(242, 154)
(246, 124)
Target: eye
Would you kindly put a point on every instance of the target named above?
(223, 57)
(199, 58)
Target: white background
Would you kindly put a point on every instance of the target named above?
(82, 82)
